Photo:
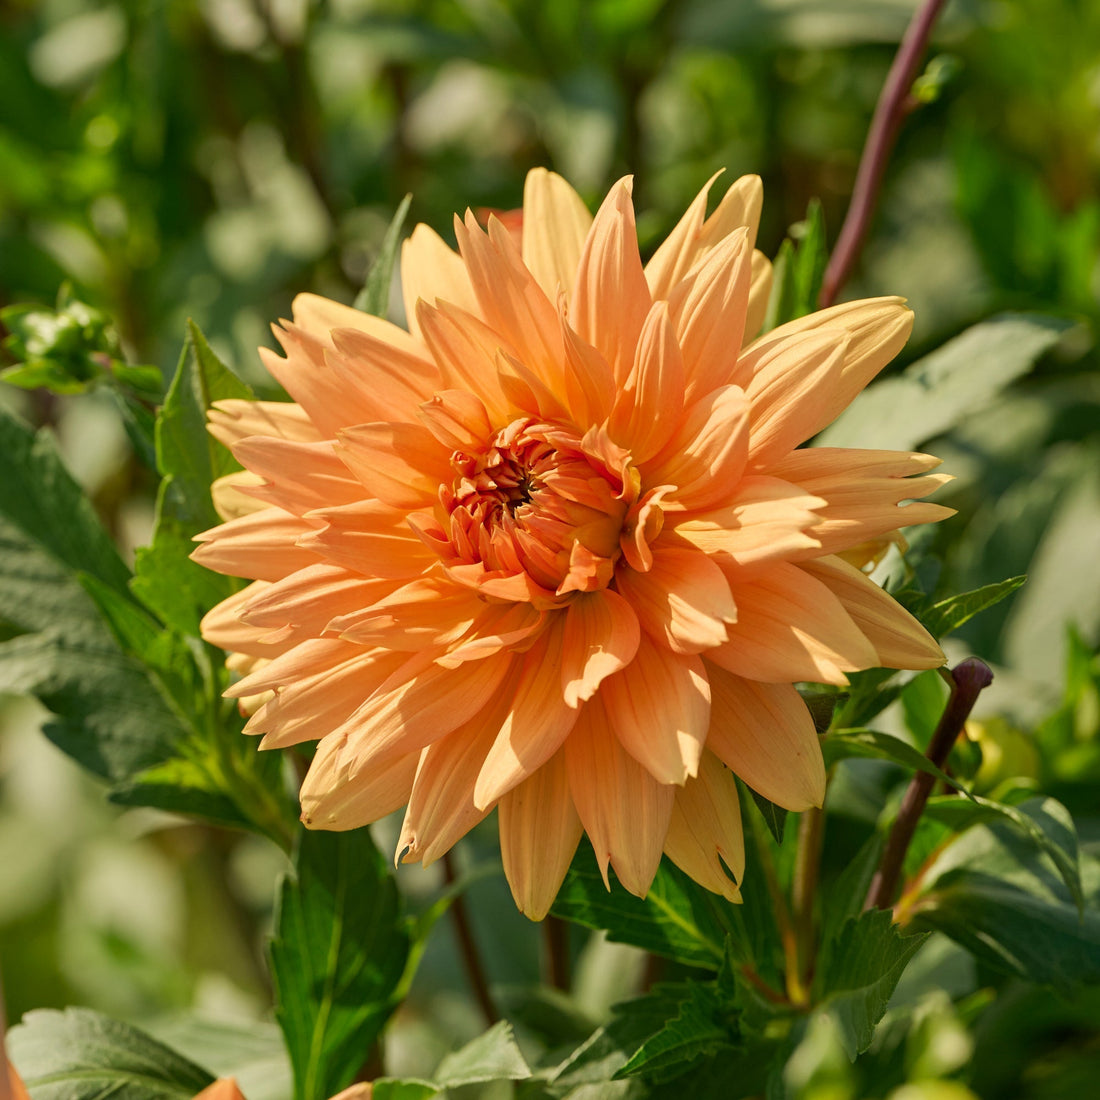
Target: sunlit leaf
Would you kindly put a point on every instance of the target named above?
(492, 1056)
(948, 615)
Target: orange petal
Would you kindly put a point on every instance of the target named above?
(709, 307)
(760, 289)
(537, 723)
(785, 385)
(705, 837)
(368, 537)
(225, 1088)
(740, 206)
(684, 599)
(297, 476)
(441, 807)
(600, 637)
(315, 655)
(765, 519)
(539, 832)
(649, 406)
(659, 708)
(431, 270)
(678, 252)
(223, 626)
(389, 381)
(706, 456)
(863, 491)
(623, 809)
(611, 299)
(322, 316)
(332, 800)
(262, 546)
(457, 419)
(235, 418)
(876, 330)
(790, 627)
(899, 640)
(400, 464)
(589, 381)
(555, 225)
(766, 735)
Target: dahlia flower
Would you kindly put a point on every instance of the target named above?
(555, 550)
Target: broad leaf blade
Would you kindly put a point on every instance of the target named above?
(492, 1056)
(948, 615)
(188, 459)
(337, 957)
(80, 1055)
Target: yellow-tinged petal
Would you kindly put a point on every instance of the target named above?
(740, 206)
(624, 810)
(321, 316)
(659, 709)
(261, 546)
(706, 457)
(539, 833)
(683, 601)
(899, 640)
(600, 637)
(232, 497)
(709, 307)
(611, 283)
(765, 734)
(555, 225)
(649, 407)
(332, 800)
(431, 270)
(760, 290)
(766, 519)
(536, 724)
(678, 252)
(790, 627)
(705, 837)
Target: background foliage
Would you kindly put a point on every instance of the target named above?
(208, 160)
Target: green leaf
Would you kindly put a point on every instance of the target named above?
(678, 919)
(492, 1056)
(188, 459)
(997, 895)
(337, 957)
(703, 1026)
(799, 269)
(857, 973)
(948, 615)
(840, 744)
(939, 391)
(374, 298)
(775, 817)
(392, 1088)
(80, 1055)
(1047, 823)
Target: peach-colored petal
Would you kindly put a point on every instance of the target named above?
(537, 723)
(386, 380)
(624, 810)
(791, 627)
(235, 418)
(600, 637)
(458, 419)
(740, 206)
(766, 519)
(683, 600)
(319, 317)
(785, 384)
(297, 476)
(611, 283)
(765, 734)
(650, 404)
(368, 537)
(441, 807)
(261, 546)
(500, 626)
(760, 289)
(224, 1088)
(231, 494)
(400, 464)
(431, 270)
(709, 307)
(589, 381)
(332, 800)
(304, 659)
(899, 640)
(862, 491)
(706, 456)
(678, 252)
(555, 225)
(222, 625)
(659, 707)
(876, 330)
(539, 833)
(705, 838)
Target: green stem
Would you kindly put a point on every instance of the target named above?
(811, 830)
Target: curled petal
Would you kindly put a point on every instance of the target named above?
(600, 637)
(765, 734)
(705, 837)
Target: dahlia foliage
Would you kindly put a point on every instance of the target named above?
(555, 550)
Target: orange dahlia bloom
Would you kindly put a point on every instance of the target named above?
(554, 550)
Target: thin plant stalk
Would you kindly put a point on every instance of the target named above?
(467, 947)
(890, 111)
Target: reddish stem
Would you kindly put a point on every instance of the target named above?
(891, 109)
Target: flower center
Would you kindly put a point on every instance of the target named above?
(536, 502)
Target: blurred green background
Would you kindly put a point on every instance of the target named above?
(211, 158)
